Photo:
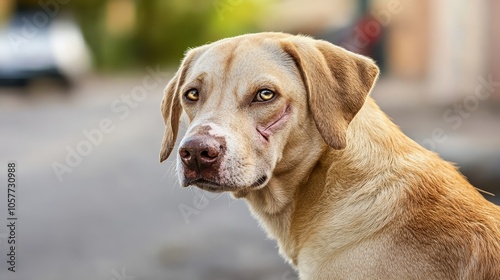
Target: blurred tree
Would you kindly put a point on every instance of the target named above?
(162, 30)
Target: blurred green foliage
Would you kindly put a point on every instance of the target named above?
(164, 29)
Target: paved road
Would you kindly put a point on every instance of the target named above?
(116, 212)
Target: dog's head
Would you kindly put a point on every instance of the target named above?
(257, 101)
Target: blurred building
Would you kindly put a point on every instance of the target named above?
(439, 45)
(494, 11)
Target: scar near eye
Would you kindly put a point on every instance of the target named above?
(274, 124)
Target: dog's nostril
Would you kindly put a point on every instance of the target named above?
(184, 153)
(209, 154)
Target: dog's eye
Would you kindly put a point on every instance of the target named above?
(192, 95)
(264, 95)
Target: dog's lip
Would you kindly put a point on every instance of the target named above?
(259, 181)
(206, 184)
(213, 186)
(204, 181)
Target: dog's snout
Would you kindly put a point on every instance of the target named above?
(200, 152)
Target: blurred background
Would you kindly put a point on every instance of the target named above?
(80, 88)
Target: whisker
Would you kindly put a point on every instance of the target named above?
(485, 192)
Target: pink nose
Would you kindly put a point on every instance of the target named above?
(200, 152)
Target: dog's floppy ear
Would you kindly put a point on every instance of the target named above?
(337, 83)
(171, 106)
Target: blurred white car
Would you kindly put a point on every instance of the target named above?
(33, 48)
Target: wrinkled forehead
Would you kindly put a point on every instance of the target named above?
(242, 58)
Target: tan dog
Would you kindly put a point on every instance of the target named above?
(285, 122)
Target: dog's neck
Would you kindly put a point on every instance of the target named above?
(324, 171)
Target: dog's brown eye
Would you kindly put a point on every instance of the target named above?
(192, 95)
(264, 95)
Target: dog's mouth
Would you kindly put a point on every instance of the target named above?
(213, 186)
(259, 182)
(205, 184)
